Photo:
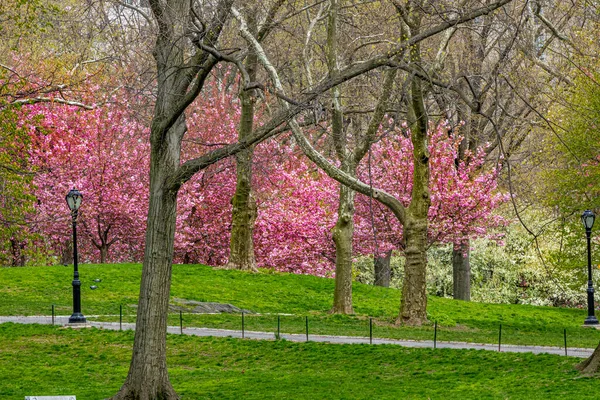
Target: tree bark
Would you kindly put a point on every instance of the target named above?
(148, 378)
(383, 270)
(342, 236)
(103, 253)
(66, 256)
(244, 213)
(344, 227)
(413, 307)
(592, 364)
(18, 253)
(461, 272)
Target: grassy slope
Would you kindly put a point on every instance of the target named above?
(45, 360)
(32, 291)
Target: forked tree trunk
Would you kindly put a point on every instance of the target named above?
(342, 236)
(461, 272)
(244, 213)
(592, 364)
(383, 270)
(344, 227)
(413, 307)
(148, 378)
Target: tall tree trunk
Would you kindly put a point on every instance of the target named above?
(383, 270)
(413, 307)
(148, 378)
(344, 227)
(244, 213)
(342, 236)
(461, 272)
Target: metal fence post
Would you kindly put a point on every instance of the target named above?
(500, 338)
(278, 327)
(435, 335)
(307, 328)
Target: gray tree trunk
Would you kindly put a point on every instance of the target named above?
(103, 253)
(244, 213)
(148, 378)
(342, 236)
(413, 307)
(383, 270)
(591, 365)
(461, 272)
(344, 227)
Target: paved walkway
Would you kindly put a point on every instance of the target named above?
(63, 320)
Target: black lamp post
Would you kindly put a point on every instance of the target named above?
(588, 218)
(74, 199)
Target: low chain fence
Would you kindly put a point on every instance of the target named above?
(372, 330)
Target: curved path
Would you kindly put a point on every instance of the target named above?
(63, 320)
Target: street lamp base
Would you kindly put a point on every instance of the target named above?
(591, 320)
(78, 318)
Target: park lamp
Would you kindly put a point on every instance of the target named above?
(74, 198)
(588, 218)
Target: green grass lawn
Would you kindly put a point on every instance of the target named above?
(92, 364)
(32, 291)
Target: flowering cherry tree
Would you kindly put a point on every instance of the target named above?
(464, 194)
(103, 153)
(295, 201)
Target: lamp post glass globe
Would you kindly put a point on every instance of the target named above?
(588, 218)
(74, 198)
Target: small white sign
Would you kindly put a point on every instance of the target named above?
(50, 398)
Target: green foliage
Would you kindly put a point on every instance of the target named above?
(500, 273)
(21, 17)
(570, 179)
(574, 180)
(16, 191)
(36, 360)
